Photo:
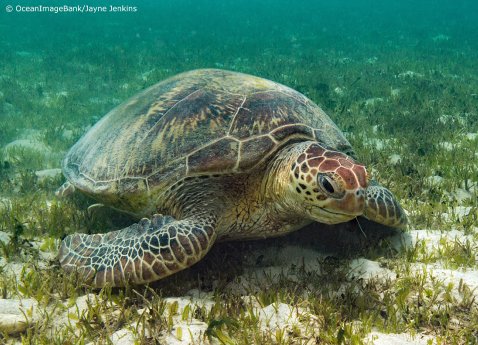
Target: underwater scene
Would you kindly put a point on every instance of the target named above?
(238, 172)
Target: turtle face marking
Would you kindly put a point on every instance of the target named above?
(330, 184)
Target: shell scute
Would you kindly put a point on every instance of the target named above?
(262, 112)
(202, 117)
(217, 157)
(254, 150)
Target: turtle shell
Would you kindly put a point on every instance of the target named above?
(199, 122)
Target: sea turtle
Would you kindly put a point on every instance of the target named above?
(211, 155)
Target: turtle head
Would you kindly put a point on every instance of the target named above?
(328, 185)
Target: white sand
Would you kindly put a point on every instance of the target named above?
(275, 261)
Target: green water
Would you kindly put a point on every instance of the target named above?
(97, 60)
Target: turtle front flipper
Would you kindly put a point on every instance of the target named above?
(382, 207)
(143, 252)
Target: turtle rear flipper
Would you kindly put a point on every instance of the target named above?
(65, 190)
(143, 252)
(382, 207)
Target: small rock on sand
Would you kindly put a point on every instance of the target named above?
(30, 144)
(4, 237)
(47, 173)
(394, 159)
(12, 319)
(366, 269)
(378, 338)
(5, 204)
(277, 316)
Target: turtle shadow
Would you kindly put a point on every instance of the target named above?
(228, 260)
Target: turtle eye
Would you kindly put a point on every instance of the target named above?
(328, 185)
(324, 181)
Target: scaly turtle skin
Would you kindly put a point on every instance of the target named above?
(211, 155)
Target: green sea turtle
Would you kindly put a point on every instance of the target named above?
(211, 155)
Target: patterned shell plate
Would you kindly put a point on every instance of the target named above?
(199, 122)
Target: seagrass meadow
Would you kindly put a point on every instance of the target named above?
(400, 79)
